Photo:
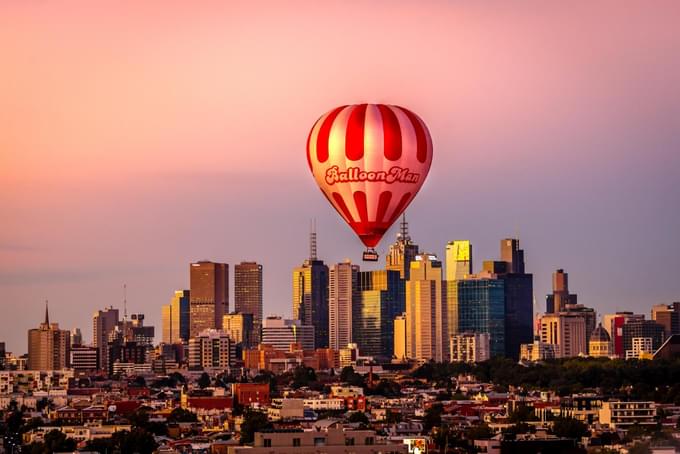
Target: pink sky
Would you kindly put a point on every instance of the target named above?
(136, 138)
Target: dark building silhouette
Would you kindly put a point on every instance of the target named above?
(208, 295)
(560, 297)
(248, 293)
(310, 294)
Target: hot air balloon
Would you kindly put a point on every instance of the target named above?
(369, 160)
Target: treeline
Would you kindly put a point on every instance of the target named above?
(657, 380)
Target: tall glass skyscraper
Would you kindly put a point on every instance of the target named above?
(481, 309)
(310, 294)
(175, 318)
(382, 299)
(248, 293)
(209, 295)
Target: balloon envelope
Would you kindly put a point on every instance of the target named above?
(369, 160)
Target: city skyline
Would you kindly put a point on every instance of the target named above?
(549, 127)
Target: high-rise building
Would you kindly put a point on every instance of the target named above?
(512, 255)
(644, 329)
(613, 323)
(589, 316)
(342, 295)
(76, 337)
(402, 252)
(280, 334)
(481, 309)
(470, 347)
(381, 299)
(104, 322)
(208, 296)
(49, 348)
(400, 337)
(211, 349)
(668, 316)
(248, 293)
(310, 294)
(458, 267)
(134, 330)
(84, 358)
(600, 344)
(426, 319)
(240, 328)
(567, 331)
(175, 318)
(560, 297)
(458, 260)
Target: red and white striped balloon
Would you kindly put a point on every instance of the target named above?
(369, 160)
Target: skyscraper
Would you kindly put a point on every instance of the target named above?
(381, 299)
(668, 316)
(402, 252)
(400, 337)
(103, 324)
(240, 328)
(560, 297)
(49, 348)
(280, 334)
(209, 295)
(481, 309)
(342, 294)
(310, 294)
(643, 329)
(518, 293)
(566, 331)
(248, 293)
(614, 323)
(426, 319)
(175, 318)
(458, 259)
(513, 255)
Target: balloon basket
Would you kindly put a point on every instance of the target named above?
(370, 255)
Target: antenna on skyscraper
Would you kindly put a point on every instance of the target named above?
(47, 315)
(312, 239)
(124, 302)
(404, 229)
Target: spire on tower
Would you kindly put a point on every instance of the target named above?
(312, 240)
(47, 314)
(124, 302)
(403, 233)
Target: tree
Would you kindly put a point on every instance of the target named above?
(56, 441)
(253, 421)
(352, 378)
(182, 415)
(522, 413)
(303, 376)
(566, 427)
(204, 380)
(479, 432)
(358, 416)
(432, 418)
(138, 441)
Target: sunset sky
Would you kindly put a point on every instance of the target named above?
(136, 137)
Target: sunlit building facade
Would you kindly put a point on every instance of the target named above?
(426, 319)
(343, 293)
(49, 348)
(175, 318)
(481, 309)
(209, 295)
(248, 293)
(381, 299)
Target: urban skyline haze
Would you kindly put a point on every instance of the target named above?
(137, 140)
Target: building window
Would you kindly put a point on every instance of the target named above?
(349, 441)
(319, 441)
(369, 440)
(267, 442)
(296, 442)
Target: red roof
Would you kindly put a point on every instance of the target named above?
(211, 403)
